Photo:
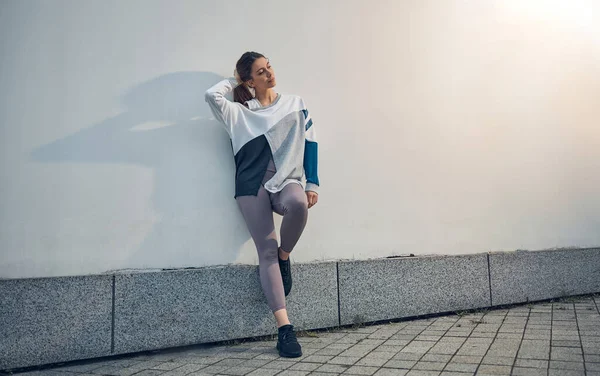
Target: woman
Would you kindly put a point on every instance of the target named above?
(275, 150)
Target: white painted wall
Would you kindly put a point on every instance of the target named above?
(446, 127)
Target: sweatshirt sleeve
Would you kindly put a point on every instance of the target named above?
(224, 110)
(310, 154)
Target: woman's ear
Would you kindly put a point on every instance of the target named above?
(250, 83)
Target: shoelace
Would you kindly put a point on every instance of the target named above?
(289, 337)
(285, 266)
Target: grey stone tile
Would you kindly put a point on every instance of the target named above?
(360, 370)
(279, 364)
(589, 366)
(418, 347)
(406, 364)
(537, 275)
(188, 368)
(343, 360)
(305, 366)
(167, 366)
(561, 364)
(432, 366)
(391, 372)
(381, 354)
(150, 372)
(461, 367)
(420, 285)
(318, 358)
(572, 354)
(418, 372)
(565, 372)
(371, 362)
(592, 358)
(339, 368)
(493, 369)
(470, 359)
(520, 371)
(289, 372)
(39, 313)
(531, 363)
(436, 358)
(498, 360)
(329, 351)
(264, 372)
(237, 370)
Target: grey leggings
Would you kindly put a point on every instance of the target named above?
(257, 211)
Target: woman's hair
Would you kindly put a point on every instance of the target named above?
(241, 94)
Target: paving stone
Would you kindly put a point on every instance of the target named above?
(469, 359)
(461, 367)
(405, 364)
(361, 370)
(418, 372)
(237, 370)
(343, 360)
(407, 356)
(561, 364)
(372, 362)
(498, 360)
(264, 372)
(493, 369)
(381, 354)
(521, 371)
(436, 358)
(318, 358)
(339, 368)
(288, 372)
(592, 366)
(391, 372)
(278, 364)
(566, 353)
(565, 372)
(300, 366)
(432, 366)
(531, 363)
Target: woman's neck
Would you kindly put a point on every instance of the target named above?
(266, 97)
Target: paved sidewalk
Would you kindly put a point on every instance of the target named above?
(561, 337)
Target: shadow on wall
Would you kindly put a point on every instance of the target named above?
(167, 126)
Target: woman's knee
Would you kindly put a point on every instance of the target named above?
(297, 204)
(268, 252)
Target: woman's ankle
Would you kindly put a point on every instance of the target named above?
(283, 255)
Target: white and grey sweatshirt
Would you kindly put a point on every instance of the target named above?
(282, 130)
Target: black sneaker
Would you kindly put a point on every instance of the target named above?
(286, 275)
(287, 343)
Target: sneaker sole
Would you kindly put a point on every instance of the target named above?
(288, 355)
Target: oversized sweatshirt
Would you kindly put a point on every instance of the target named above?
(282, 131)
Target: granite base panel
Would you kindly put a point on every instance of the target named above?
(47, 320)
(169, 309)
(60, 319)
(384, 289)
(524, 276)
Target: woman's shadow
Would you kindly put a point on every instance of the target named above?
(168, 127)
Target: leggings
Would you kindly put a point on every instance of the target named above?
(257, 211)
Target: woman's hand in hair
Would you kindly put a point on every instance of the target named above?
(312, 198)
(237, 76)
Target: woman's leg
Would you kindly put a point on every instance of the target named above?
(258, 215)
(292, 204)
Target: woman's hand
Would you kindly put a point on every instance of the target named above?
(237, 76)
(312, 198)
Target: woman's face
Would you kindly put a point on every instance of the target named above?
(263, 76)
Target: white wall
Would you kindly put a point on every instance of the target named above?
(446, 127)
